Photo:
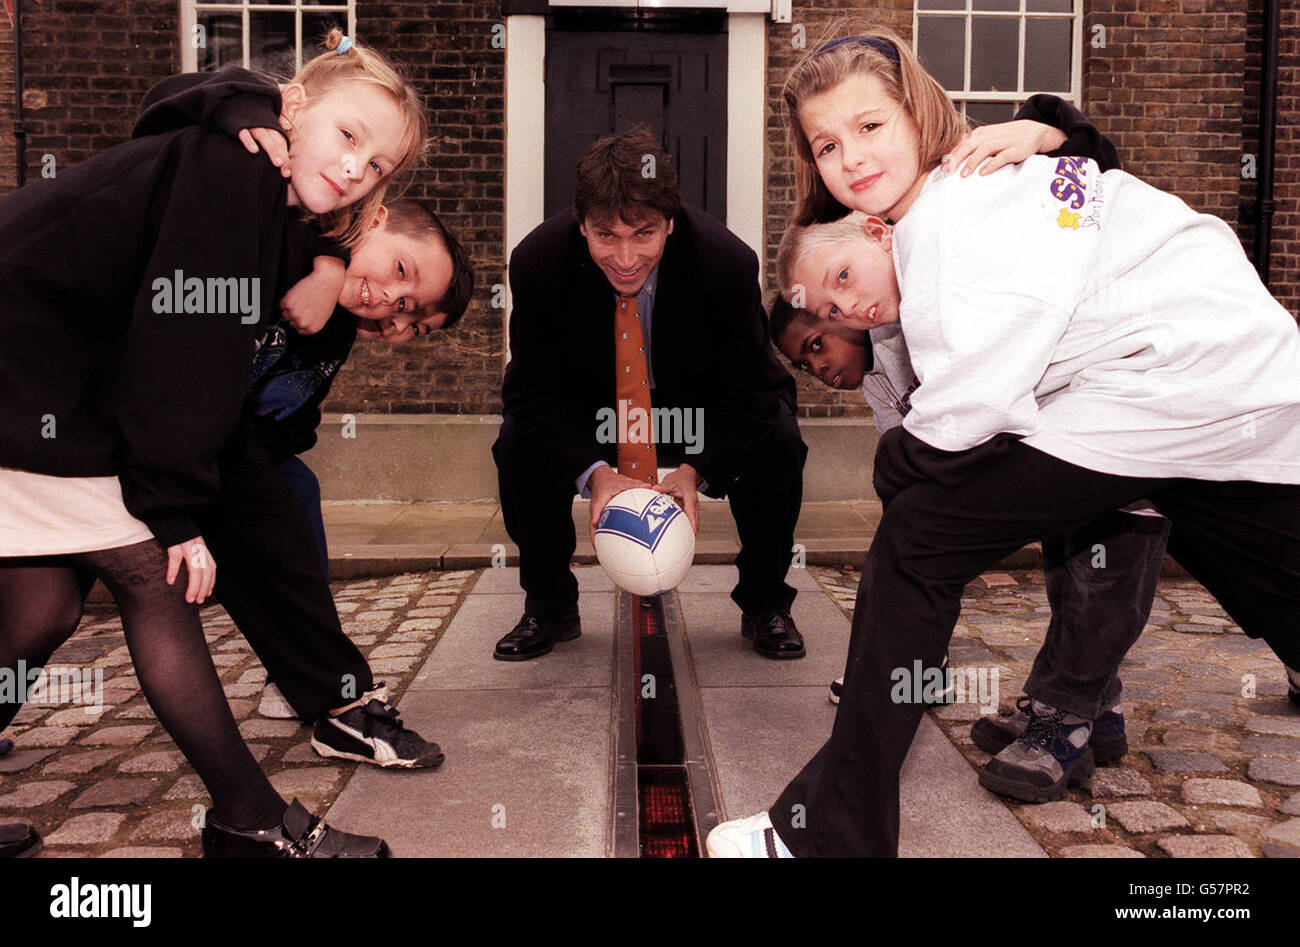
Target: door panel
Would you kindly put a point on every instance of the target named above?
(601, 82)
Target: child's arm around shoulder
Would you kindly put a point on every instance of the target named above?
(1082, 138)
(228, 100)
(240, 103)
(310, 302)
(1045, 124)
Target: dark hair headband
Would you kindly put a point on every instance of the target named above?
(879, 45)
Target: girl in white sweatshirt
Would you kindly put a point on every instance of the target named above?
(1082, 341)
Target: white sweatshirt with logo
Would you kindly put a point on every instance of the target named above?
(1102, 319)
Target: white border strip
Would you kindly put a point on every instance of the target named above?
(746, 100)
(525, 133)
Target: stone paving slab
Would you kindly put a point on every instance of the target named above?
(527, 774)
(761, 736)
(464, 659)
(723, 657)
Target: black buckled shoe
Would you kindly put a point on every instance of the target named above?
(18, 840)
(774, 635)
(533, 637)
(300, 835)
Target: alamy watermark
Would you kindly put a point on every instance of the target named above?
(214, 295)
(631, 424)
(935, 685)
(53, 686)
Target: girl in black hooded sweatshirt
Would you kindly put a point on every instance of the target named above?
(132, 289)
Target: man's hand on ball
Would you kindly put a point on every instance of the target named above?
(683, 485)
(605, 483)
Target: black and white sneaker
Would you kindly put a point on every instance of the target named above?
(837, 690)
(373, 733)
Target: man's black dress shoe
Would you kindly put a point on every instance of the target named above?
(532, 637)
(774, 635)
(18, 840)
(299, 835)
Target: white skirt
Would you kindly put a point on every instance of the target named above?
(42, 515)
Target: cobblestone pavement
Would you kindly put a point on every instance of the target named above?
(1213, 767)
(114, 784)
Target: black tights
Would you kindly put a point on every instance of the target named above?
(40, 605)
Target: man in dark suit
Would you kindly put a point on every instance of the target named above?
(630, 261)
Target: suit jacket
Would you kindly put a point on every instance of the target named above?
(710, 347)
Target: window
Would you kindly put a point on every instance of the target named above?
(991, 55)
(265, 35)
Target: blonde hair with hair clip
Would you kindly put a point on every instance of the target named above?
(939, 125)
(359, 64)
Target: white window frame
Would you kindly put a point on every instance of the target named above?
(190, 10)
(961, 97)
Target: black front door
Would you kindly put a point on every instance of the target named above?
(671, 79)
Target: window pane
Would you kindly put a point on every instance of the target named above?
(1001, 5)
(270, 43)
(923, 5)
(222, 41)
(941, 47)
(990, 113)
(1047, 53)
(1049, 6)
(994, 53)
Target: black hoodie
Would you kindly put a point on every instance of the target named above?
(95, 378)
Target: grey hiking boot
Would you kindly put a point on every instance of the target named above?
(1045, 761)
(1109, 743)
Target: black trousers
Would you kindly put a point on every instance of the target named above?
(269, 579)
(1101, 579)
(765, 495)
(1241, 540)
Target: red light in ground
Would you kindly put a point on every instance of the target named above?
(667, 830)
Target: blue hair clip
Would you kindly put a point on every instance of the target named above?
(344, 44)
(875, 42)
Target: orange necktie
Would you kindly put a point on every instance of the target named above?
(636, 450)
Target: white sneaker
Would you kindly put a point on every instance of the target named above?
(746, 838)
(274, 705)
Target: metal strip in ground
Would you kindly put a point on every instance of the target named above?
(624, 829)
(705, 791)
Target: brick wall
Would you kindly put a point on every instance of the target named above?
(447, 50)
(86, 64)
(1285, 268)
(1250, 118)
(8, 161)
(1167, 87)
